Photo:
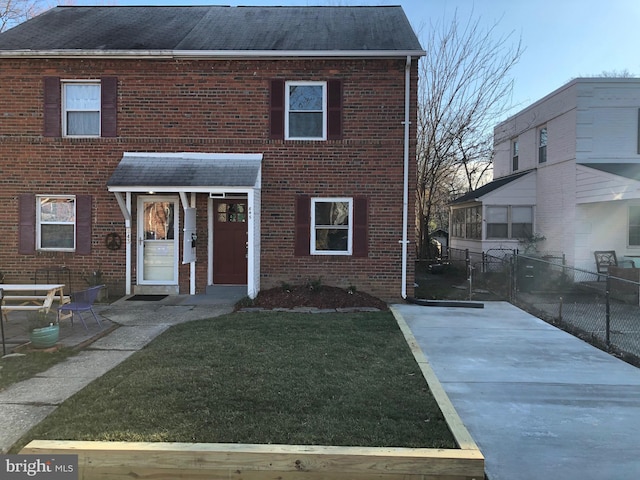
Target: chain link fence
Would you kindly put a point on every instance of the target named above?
(603, 309)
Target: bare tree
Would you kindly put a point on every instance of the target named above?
(464, 88)
(13, 12)
(616, 74)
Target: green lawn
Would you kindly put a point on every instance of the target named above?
(284, 378)
(16, 369)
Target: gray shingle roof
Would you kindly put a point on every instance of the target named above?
(215, 28)
(186, 170)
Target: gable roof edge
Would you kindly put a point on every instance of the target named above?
(478, 194)
(208, 54)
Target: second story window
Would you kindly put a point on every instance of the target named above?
(81, 109)
(514, 155)
(305, 110)
(306, 104)
(542, 145)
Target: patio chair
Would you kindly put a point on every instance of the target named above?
(82, 301)
(606, 259)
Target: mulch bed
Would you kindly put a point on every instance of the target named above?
(321, 297)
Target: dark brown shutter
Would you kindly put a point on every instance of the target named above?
(27, 224)
(52, 116)
(276, 110)
(303, 226)
(334, 110)
(109, 106)
(360, 227)
(83, 224)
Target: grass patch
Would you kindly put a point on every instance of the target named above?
(282, 378)
(16, 369)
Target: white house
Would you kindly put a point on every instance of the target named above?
(566, 168)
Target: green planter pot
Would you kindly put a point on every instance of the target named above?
(45, 337)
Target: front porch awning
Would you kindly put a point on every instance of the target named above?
(185, 172)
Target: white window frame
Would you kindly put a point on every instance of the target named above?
(509, 223)
(40, 222)
(65, 110)
(543, 148)
(315, 227)
(515, 155)
(287, 89)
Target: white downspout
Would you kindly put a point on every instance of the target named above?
(405, 200)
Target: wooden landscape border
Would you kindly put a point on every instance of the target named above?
(217, 461)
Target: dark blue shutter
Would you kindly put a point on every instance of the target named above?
(360, 227)
(276, 110)
(109, 106)
(52, 116)
(302, 226)
(83, 224)
(26, 224)
(334, 110)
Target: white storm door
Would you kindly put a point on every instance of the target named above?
(157, 240)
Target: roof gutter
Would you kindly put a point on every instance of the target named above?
(209, 54)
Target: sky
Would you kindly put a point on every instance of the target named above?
(561, 39)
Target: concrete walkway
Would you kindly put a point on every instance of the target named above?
(130, 326)
(539, 402)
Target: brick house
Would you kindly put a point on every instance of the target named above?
(175, 149)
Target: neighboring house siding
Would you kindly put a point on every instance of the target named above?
(217, 106)
(608, 121)
(602, 226)
(589, 121)
(595, 186)
(554, 188)
(558, 112)
(519, 192)
(555, 207)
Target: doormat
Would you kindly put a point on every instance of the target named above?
(146, 298)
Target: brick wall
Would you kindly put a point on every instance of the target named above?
(216, 107)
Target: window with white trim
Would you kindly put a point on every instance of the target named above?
(542, 145)
(511, 221)
(331, 226)
(81, 104)
(515, 150)
(521, 222)
(305, 111)
(56, 222)
(497, 222)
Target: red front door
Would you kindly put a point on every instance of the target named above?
(230, 242)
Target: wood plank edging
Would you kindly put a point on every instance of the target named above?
(458, 429)
(138, 459)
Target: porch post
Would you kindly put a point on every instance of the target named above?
(189, 203)
(125, 208)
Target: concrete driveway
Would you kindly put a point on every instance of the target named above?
(539, 402)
